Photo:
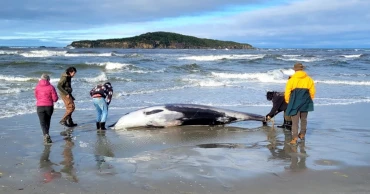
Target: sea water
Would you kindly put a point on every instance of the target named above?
(221, 78)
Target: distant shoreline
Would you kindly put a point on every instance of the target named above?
(160, 40)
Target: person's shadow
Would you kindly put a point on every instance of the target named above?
(68, 161)
(103, 149)
(46, 166)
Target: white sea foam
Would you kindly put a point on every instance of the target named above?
(100, 78)
(299, 58)
(339, 82)
(145, 72)
(288, 72)
(126, 55)
(10, 90)
(351, 75)
(110, 65)
(206, 82)
(83, 144)
(331, 101)
(275, 76)
(351, 56)
(18, 79)
(43, 53)
(7, 52)
(220, 57)
(88, 54)
(18, 108)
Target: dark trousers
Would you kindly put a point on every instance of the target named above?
(44, 113)
(300, 116)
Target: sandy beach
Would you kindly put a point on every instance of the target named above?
(240, 158)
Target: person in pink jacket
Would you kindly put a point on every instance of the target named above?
(45, 97)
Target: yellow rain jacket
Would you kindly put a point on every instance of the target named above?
(299, 93)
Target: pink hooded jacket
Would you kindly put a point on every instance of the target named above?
(45, 94)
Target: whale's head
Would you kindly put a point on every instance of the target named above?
(157, 116)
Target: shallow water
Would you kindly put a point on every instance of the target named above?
(179, 158)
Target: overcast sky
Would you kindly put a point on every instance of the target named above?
(261, 23)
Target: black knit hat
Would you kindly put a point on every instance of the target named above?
(269, 95)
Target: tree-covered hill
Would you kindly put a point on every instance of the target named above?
(161, 40)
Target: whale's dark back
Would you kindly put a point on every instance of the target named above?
(199, 114)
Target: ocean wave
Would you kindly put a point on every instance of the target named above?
(19, 108)
(110, 65)
(22, 63)
(187, 67)
(120, 79)
(100, 78)
(206, 82)
(334, 101)
(223, 57)
(338, 82)
(88, 54)
(18, 79)
(10, 90)
(151, 91)
(8, 52)
(351, 75)
(43, 53)
(58, 53)
(275, 76)
(300, 58)
(132, 55)
(140, 71)
(351, 56)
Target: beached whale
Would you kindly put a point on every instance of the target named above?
(182, 114)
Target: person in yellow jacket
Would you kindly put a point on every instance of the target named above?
(299, 94)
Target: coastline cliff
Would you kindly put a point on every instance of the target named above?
(161, 40)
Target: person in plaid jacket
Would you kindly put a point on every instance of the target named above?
(102, 97)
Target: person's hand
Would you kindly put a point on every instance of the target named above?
(268, 118)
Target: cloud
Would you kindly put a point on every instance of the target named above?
(262, 23)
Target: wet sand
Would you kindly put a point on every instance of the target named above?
(240, 158)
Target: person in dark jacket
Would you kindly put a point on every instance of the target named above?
(65, 91)
(299, 94)
(45, 95)
(278, 105)
(102, 97)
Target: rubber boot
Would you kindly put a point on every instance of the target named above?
(282, 126)
(70, 122)
(288, 125)
(64, 123)
(97, 125)
(47, 140)
(102, 126)
(301, 136)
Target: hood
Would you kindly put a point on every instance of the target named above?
(300, 74)
(65, 74)
(43, 82)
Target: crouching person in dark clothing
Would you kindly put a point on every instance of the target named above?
(102, 97)
(45, 97)
(278, 105)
